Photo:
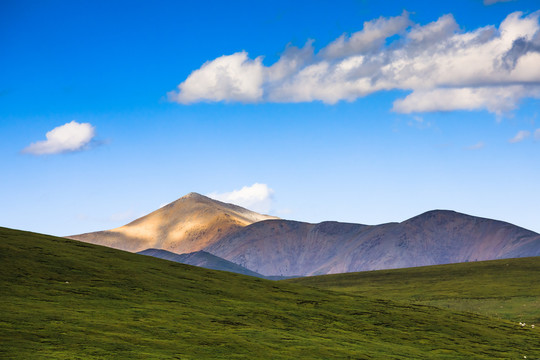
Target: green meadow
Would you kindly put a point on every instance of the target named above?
(63, 299)
(506, 289)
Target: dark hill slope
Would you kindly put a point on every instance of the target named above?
(202, 259)
(63, 299)
(282, 247)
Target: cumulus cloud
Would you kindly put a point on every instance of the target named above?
(227, 78)
(257, 197)
(370, 38)
(521, 47)
(490, 68)
(69, 137)
(520, 136)
(537, 134)
(433, 32)
(496, 99)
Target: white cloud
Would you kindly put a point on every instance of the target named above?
(66, 138)
(438, 30)
(537, 134)
(520, 136)
(490, 68)
(479, 145)
(291, 61)
(257, 197)
(497, 99)
(370, 38)
(227, 78)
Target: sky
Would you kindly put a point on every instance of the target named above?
(354, 111)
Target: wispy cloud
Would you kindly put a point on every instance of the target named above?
(124, 216)
(257, 197)
(69, 137)
(537, 134)
(479, 145)
(419, 123)
(494, 99)
(491, 2)
(520, 136)
(489, 68)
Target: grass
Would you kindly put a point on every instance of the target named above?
(507, 289)
(63, 299)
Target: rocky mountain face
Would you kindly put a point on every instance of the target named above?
(288, 248)
(275, 247)
(188, 224)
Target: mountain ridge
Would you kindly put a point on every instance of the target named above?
(277, 247)
(288, 248)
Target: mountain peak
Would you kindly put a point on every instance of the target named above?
(188, 224)
(194, 198)
(194, 195)
(438, 212)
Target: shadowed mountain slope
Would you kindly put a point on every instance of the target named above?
(201, 259)
(188, 224)
(288, 248)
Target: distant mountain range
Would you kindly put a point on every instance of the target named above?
(274, 247)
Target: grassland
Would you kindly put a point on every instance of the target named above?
(63, 299)
(507, 289)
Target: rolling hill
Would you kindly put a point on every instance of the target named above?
(504, 288)
(64, 299)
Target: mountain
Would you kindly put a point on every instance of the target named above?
(275, 247)
(201, 259)
(186, 225)
(289, 248)
(65, 299)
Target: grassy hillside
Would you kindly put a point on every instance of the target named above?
(63, 299)
(505, 289)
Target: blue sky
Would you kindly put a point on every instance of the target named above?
(357, 111)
